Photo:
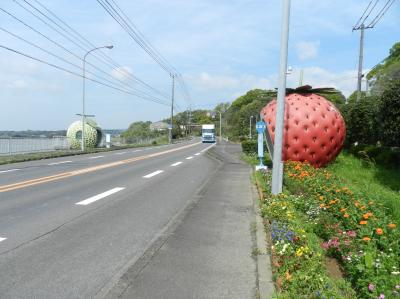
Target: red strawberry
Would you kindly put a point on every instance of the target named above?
(314, 129)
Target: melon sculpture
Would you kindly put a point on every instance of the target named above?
(314, 129)
(93, 134)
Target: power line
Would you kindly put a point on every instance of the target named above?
(81, 76)
(120, 20)
(359, 20)
(120, 82)
(110, 62)
(381, 13)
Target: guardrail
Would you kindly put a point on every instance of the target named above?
(22, 145)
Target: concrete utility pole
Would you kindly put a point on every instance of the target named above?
(83, 93)
(360, 62)
(172, 108)
(277, 161)
(251, 117)
(220, 126)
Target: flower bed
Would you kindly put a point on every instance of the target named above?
(299, 262)
(355, 230)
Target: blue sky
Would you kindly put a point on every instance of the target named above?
(222, 48)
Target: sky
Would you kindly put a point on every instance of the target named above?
(221, 48)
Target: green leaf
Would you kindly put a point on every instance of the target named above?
(368, 259)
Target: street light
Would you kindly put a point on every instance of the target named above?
(83, 93)
(251, 117)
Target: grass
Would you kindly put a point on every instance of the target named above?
(374, 181)
(58, 154)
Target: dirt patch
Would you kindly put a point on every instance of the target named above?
(333, 268)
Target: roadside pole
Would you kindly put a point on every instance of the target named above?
(277, 161)
(261, 126)
(172, 108)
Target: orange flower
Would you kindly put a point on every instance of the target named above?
(346, 215)
(337, 190)
(367, 239)
(321, 198)
(367, 215)
(391, 225)
(379, 231)
(362, 208)
(322, 205)
(332, 202)
(363, 222)
(356, 203)
(343, 210)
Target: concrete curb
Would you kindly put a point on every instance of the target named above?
(266, 286)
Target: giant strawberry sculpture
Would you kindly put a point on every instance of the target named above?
(314, 129)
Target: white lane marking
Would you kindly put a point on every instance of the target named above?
(153, 174)
(188, 158)
(207, 148)
(96, 157)
(176, 164)
(197, 154)
(136, 151)
(2, 239)
(10, 170)
(99, 196)
(57, 163)
(122, 153)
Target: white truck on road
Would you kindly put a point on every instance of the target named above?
(208, 133)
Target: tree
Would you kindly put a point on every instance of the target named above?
(386, 72)
(139, 129)
(239, 113)
(389, 115)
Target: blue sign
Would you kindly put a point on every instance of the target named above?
(261, 126)
(169, 126)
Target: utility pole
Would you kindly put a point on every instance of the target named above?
(301, 77)
(172, 108)
(251, 117)
(360, 61)
(277, 160)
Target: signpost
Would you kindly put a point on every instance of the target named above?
(260, 126)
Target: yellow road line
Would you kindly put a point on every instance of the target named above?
(64, 175)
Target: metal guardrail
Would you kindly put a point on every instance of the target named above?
(21, 145)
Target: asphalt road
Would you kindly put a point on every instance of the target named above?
(70, 227)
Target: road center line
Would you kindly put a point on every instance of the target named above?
(99, 196)
(135, 151)
(197, 154)
(57, 163)
(96, 157)
(153, 174)
(9, 170)
(188, 158)
(60, 176)
(2, 239)
(176, 164)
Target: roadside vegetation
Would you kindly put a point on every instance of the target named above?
(334, 231)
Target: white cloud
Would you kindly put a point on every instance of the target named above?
(122, 73)
(307, 50)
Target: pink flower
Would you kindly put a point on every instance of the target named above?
(397, 287)
(351, 233)
(325, 245)
(371, 287)
(382, 296)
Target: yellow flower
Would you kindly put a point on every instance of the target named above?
(391, 225)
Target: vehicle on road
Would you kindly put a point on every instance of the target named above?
(208, 133)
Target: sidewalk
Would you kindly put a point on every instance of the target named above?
(209, 255)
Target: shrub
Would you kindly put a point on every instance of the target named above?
(249, 146)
